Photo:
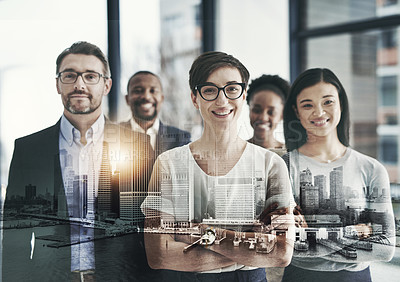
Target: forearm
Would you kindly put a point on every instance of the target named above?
(164, 251)
(261, 246)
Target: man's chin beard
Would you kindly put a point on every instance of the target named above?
(85, 111)
(146, 118)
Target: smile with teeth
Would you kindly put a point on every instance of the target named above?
(146, 106)
(321, 122)
(222, 113)
(262, 125)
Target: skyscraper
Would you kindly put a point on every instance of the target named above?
(305, 184)
(243, 197)
(135, 167)
(30, 192)
(310, 197)
(79, 203)
(336, 188)
(320, 184)
(306, 176)
(104, 190)
(115, 193)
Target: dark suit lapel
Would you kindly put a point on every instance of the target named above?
(59, 192)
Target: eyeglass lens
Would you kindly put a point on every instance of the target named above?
(210, 92)
(88, 77)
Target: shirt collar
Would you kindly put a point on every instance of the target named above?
(67, 130)
(152, 130)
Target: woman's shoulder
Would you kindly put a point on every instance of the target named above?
(255, 147)
(362, 158)
(261, 151)
(266, 156)
(279, 151)
(364, 162)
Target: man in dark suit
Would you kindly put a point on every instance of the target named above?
(62, 195)
(145, 97)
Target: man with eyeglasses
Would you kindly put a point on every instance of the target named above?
(145, 97)
(62, 195)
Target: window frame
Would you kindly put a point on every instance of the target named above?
(298, 36)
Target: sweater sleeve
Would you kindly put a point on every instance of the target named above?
(278, 183)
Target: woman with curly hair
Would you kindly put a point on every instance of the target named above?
(266, 98)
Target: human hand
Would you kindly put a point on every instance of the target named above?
(299, 217)
(271, 210)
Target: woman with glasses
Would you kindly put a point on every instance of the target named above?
(220, 182)
(266, 97)
(344, 195)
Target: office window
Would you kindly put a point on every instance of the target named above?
(388, 90)
(180, 44)
(388, 149)
(33, 34)
(361, 46)
(387, 48)
(355, 64)
(388, 39)
(335, 12)
(140, 40)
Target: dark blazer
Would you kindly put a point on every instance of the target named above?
(35, 187)
(168, 137)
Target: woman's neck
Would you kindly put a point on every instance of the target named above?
(221, 147)
(222, 139)
(217, 154)
(323, 149)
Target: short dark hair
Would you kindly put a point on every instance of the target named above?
(85, 48)
(143, 72)
(295, 133)
(208, 62)
(272, 83)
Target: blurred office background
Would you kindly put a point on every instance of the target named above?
(358, 39)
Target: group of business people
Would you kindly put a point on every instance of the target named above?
(214, 177)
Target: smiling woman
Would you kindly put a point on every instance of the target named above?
(219, 181)
(342, 193)
(266, 97)
(318, 109)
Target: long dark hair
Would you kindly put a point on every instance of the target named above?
(295, 133)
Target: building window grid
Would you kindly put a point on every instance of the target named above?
(388, 90)
(388, 149)
(388, 38)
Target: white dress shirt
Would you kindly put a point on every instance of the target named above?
(80, 166)
(152, 131)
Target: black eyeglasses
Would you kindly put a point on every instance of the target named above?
(210, 92)
(69, 77)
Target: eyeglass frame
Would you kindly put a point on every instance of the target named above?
(80, 74)
(199, 86)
